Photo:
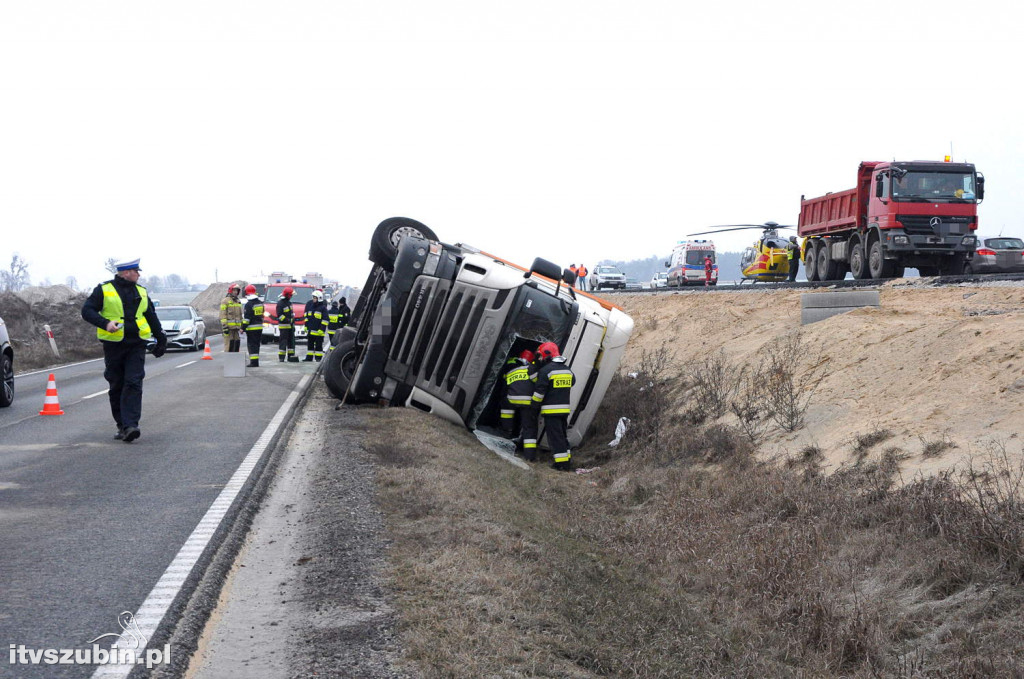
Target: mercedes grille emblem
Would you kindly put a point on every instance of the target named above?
(935, 222)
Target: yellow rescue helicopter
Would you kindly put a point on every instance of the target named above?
(768, 258)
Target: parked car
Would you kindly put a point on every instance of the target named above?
(6, 367)
(997, 255)
(660, 280)
(184, 326)
(633, 284)
(607, 276)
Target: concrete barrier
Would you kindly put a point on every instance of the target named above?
(817, 306)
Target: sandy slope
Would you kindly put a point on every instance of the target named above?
(930, 363)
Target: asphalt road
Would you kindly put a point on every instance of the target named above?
(89, 524)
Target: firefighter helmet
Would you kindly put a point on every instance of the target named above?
(250, 289)
(527, 355)
(288, 292)
(547, 350)
(318, 294)
(234, 286)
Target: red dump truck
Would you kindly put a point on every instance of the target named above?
(919, 214)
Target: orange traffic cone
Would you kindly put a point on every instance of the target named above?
(207, 356)
(50, 404)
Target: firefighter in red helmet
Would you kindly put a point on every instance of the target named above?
(286, 327)
(518, 410)
(554, 386)
(252, 324)
(231, 318)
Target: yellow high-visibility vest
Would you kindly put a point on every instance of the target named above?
(113, 310)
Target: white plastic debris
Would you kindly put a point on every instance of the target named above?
(620, 431)
(633, 375)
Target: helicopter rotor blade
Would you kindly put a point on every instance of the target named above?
(737, 228)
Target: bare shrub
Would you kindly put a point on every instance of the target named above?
(936, 447)
(788, 394)
(748, 404)
(863, 443)
(712, 382)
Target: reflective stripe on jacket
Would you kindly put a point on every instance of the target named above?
(285, 316)
(230, 313)
(554, 386)
(520, 378)
(113, 310)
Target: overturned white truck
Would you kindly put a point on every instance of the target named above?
(435, 324)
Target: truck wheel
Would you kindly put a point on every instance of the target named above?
(968, 269)
(953, 266)
(828, 268)
(858, 263)
(811, 261)
(878, 265)
(898, 270)
(387, 236)
(341, 367)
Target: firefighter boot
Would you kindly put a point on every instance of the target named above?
(254, 363)
(293, 359)
(308, 359)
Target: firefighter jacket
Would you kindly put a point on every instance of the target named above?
(343, 313)
(315, 317)
(554, 385)
(285, 315)
(332, 318)
(520, 378)
(252, 315)
(230, 314)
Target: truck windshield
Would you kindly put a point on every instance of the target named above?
(697, 256)
(541, 317)
(301, 296)
(929, 187)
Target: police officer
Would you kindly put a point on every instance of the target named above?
(316, 322)
(554, 385)
(793, 255)
(125, 320)
(286, 326)
(252, 324)
(231, 318)
(520, 378)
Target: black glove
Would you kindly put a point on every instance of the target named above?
(161, 347)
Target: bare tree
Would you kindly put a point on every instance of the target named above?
(71, 282)
(16, 277)
(174, 282)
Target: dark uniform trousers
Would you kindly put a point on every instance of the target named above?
(253, 338)
(125, 368)
(286, 344)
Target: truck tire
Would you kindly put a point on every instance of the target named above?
(953, 266)
(878, 265)
(858, 262)
(340, 367)
(828, 268)
(811, 260)
(898, 270)
(387, 235)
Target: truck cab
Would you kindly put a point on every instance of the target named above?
(436, 323)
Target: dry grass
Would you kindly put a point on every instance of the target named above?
(661, 565)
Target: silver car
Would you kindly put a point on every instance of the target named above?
(184, 326)
(997, 255)
(6, 367)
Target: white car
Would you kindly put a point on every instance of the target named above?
(660, 280)
(606, 276)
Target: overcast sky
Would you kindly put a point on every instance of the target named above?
(247, 137)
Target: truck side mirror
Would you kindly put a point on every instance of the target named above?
(545, 268)
(981, 186)
(668, 265)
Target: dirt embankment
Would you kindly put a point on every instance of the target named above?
(58, 306)
(930, 365)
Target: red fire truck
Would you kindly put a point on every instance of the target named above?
(917, 214)
(303, 293)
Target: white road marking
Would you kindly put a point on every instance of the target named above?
(154, 608)
(98, 393)
(57, 367)
(184, 364)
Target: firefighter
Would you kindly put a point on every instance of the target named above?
(286, 326)
(332, 323)
(231, 318)
(708, 266)
(518, 411)
(793, 255)
(343, 313)
(252, 324)
(554, 386)
(315, 317)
